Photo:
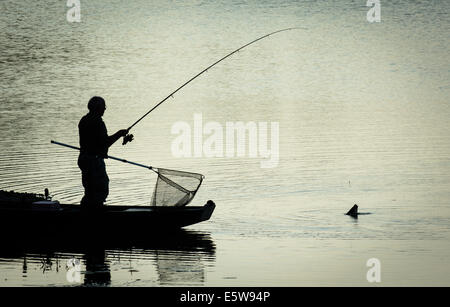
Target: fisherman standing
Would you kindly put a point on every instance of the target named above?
(94, 144)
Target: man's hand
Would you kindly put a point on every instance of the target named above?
(122, 132)
(127, 138)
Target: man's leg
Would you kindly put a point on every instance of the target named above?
(100, 184)
(84, 164)
(95, 182)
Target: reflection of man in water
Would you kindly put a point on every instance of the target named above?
(94, 144)
(97, 268)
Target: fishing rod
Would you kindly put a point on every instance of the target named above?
(129, 137)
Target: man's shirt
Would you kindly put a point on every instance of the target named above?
(93, 135)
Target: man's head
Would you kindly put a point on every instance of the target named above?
(97, 105)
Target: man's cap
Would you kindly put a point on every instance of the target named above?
(95, 102)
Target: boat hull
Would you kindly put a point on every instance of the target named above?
(71, 219)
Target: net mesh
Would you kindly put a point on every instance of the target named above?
(175, 188)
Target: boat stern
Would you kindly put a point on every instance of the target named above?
(208, 210)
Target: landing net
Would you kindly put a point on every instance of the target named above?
(175, 188)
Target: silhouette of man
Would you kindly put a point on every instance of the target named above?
(94, 144)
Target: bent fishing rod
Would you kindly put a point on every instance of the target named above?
(129, 137)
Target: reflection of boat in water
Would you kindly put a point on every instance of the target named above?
(57, 238)
(178, 256)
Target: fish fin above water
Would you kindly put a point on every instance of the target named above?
(353, 211)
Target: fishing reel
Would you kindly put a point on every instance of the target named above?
(127, 138)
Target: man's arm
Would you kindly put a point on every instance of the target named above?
(113, 138)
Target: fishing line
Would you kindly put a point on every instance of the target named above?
(129, 137)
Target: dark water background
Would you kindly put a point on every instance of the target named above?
(363, 114)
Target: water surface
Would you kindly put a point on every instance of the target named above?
(363, 114)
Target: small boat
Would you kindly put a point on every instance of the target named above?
(27, 212)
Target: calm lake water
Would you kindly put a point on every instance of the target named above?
(363, 114)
